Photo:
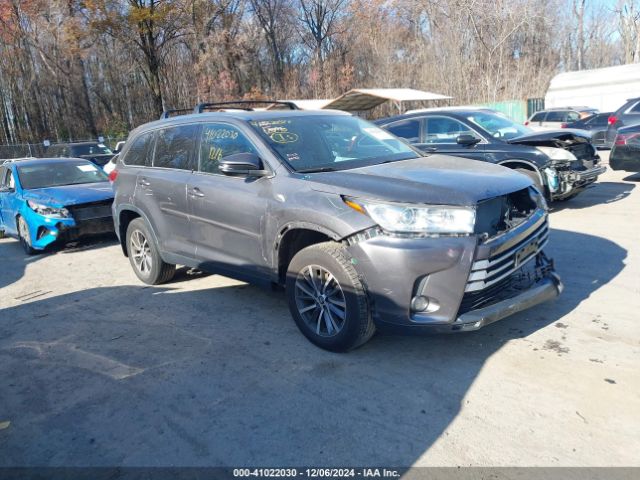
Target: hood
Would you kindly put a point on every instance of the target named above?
(563, 138)
(437, 180)
(68, 195)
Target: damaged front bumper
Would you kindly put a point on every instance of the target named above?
(45, 231)
(451, 284)
(569, 182)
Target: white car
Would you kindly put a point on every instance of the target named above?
(555, 118)
(110, 165)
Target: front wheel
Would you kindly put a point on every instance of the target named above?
(327, 299)
(144, 255)
(24, 235)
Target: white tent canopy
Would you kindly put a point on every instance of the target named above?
(360, 99)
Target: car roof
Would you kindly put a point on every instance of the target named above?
(45, 161)
(76, 144)
(241, 115)
(462, 111)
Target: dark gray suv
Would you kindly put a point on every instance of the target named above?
(362, 230)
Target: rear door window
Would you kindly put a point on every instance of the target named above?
(219, 140)
(174, 147)
(445, 130)
(140, 152)
(556, 116)
(408, 129)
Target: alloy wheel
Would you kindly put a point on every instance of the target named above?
(141, 252)
(320, 301)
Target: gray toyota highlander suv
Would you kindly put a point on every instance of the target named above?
(362, 230)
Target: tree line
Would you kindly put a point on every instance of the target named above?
(73, 69)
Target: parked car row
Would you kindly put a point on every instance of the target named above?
(365, 226)
(561, 163)
(603, 126)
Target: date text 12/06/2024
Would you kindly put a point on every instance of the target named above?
(316, 472)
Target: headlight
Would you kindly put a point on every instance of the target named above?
(557, 153)
(48, 211)
(400, 218)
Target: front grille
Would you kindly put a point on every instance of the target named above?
(491, 271)
(511, 286)
(96, 226)
(90, 211)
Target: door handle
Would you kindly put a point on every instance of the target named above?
(195, 192)
(143, 182)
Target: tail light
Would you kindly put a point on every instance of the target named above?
(624, 139)
(564, 125)
(612, 120)
(526, 124)
(113, 175)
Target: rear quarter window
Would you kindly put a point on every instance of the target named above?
(538, 117)
(635, 108)
(407, 129)
(140, 151)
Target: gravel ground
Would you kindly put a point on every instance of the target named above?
(100, 370)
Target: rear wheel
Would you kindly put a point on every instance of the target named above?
(144, 255)
(24, 235)
(327, 299)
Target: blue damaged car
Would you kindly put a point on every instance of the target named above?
(49, 200)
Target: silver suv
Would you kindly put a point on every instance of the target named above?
(362, 230)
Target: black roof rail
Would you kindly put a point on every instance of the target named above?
(239, 104)
(167, 113)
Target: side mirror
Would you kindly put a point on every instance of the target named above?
(248, 164)
(467, 140)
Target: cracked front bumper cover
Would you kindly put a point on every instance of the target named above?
(547, 289)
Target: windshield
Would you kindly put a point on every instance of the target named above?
(498, 125)
(331, 142)
(91, 149)
(56, 174)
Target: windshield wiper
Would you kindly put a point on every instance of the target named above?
(317, 170)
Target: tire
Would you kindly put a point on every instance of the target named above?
(535, 178)
(25, 236)
(144, 255)
(327, 299)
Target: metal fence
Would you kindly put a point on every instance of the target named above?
(40, 150)
(517, 110)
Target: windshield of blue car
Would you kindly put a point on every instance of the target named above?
(91, 149)
(499, 126)
(56, 174)
(331, 142)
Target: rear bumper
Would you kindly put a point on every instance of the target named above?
(625, 158)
